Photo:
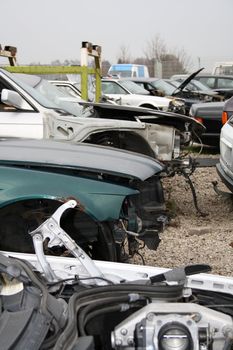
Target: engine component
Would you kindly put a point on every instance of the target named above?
(157, 311)
(168, 326)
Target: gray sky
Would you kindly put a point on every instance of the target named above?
(45, 30)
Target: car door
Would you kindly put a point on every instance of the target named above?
(18, 116)
(115, 92)
(224, 83)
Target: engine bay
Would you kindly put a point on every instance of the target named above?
(77, 303)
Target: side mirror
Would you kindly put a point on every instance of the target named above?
(13, 98)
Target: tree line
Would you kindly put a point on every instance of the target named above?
(160, 60)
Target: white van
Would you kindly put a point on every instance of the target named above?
(124, 70)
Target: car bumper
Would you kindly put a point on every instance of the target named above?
(227, 180)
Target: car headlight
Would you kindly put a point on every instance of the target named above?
(175, 336)
(177, 106)
(208, 98)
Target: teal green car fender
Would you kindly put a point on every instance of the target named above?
(101, 200)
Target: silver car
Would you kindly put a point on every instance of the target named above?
(225, 165)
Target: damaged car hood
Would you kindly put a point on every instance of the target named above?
(79, 156)
(145, 115)
(188, 79)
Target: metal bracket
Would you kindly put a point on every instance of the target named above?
(10, 53)
(52, 231)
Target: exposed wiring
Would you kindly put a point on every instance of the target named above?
(189, 181)
(131, 233)
(143, 260)
(201, 143)
(77, 280)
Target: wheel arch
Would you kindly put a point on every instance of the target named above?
(122, 139)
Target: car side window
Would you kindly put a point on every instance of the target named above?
(112, 88)
(68, 90)
(225, 83)
(142, 85)
(208, 81)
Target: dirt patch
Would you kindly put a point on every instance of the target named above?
(191, 238)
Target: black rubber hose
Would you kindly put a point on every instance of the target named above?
(95, 313)
(95, 305)
(169, 293)
(108, 309)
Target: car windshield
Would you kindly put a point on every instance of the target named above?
(133, 88)
(61, 98)
(197, 85)
(164, 86)
(194, 85)
(30, 90)
(45, 93)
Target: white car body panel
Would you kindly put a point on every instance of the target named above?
(66, 267)
(226, 149)
(18, 124)
(124, 94)
(139, 100)
(160, 137)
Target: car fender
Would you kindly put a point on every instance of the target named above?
(101, 200)
(79, 129)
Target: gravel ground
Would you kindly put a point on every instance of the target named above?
(191, 238)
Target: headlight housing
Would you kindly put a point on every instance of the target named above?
(177, 105)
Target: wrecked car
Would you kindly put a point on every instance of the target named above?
(125, 92)
(72, 88)
(120, 194)
(213, 116)
(76, 303)
(179, 89)
(210, 115)
(161, 135)
(223, 84)
(27, 111)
